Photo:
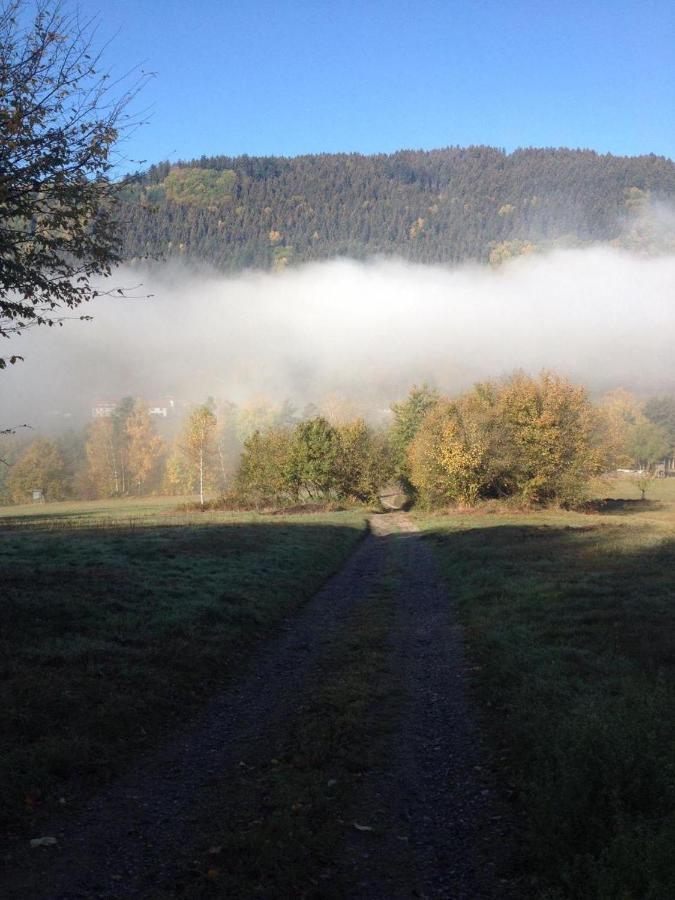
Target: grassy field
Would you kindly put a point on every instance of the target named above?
(570, 619)
(121, 618)
(134, 509)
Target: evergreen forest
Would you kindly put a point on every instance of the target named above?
(443, 206)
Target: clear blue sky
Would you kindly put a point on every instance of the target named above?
(297, 76)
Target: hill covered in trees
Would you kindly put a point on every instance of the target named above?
(440, 206)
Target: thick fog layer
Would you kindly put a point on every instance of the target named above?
(365, 330)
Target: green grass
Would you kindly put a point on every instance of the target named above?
(120, 619)
(98, 512)
(570, 620)
(660, 490)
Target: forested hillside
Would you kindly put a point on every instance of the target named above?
(441, 206)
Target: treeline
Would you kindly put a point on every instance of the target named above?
(442, 206)
(538, 440)
(130, 453)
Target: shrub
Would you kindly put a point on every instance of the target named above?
(522, 437)
(313, 461)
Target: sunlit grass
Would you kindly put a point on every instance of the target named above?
(570, 618)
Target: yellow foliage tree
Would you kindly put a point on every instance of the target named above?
(525, 437)
(365, 462)
(103, 465)
(619, 415)
(449, 457)
(549, 427)
(144, 448)
(40, 468)
(198, 448)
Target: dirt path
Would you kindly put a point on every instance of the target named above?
(436, 829)
(440, 829)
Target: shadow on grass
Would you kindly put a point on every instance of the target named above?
(109, 638)
(572, 630)
(32, 519)
(610, 506)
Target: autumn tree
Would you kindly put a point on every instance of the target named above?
(337, 409)
(107, 451)
(618, 413)
(102, 461)
(13, 443)
(255, 415)
(60, 119)
(266, 474)
(178, 473)
(121, 439)
(197, 445)
(549, 426)
(41, 468)
(530, 438)
(364, 463)
(633, 434)
(448, 459)
(144, 447)
(408, 416)
(228, 445)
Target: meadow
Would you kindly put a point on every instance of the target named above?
(120, 618)
(569, 619)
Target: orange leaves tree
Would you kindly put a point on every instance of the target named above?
(60, 119)
(145, 447)
(530, 438)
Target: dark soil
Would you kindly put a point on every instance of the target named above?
(427, 823)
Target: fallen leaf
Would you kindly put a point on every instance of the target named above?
(362, 827)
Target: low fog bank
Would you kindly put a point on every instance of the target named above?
(364, 330)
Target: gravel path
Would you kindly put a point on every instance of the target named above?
(436, 829)
(439, 828)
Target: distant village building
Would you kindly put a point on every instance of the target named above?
(162, 409)
(103, 409)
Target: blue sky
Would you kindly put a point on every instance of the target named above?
(292, 76)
